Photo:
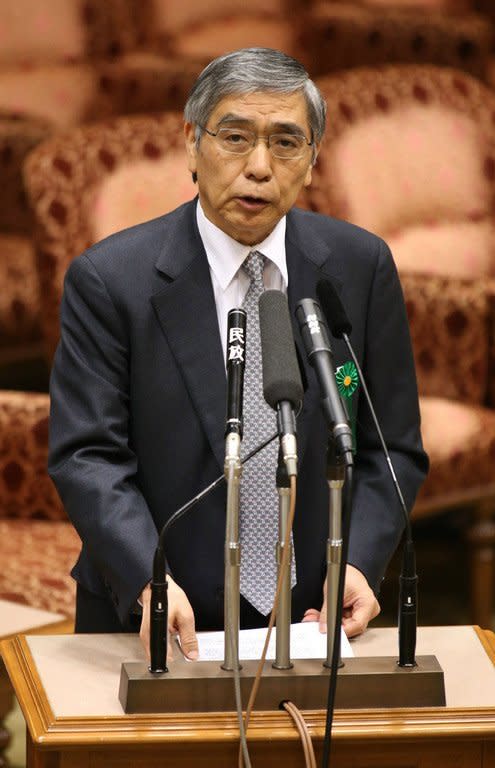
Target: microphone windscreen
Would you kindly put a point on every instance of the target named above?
(281, 375)
(333, 309)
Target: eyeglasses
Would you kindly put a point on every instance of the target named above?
(240, 141)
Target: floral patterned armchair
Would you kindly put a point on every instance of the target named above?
(410, 154)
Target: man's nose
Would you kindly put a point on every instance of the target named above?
(259, 160)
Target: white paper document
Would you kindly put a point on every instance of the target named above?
(306, 642)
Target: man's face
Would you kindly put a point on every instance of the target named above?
(246, 195)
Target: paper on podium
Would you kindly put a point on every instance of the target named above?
(306, 642)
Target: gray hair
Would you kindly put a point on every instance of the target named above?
(250, 70)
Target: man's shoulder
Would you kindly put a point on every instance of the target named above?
(327, 226)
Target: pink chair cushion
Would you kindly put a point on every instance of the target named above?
(460, 440)
(206, 39)
(412, 168)
(61, 93)
(170, 16)
(460, 249)
(140, 190)
(47, 31)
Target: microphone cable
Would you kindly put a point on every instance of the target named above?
(291, 708)
(300, 723)
(220, 479)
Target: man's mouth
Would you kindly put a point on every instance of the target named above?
(251, 201)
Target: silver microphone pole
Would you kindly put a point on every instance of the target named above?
(233, 470)
(282, 639)
(335, 478)
(236, 346)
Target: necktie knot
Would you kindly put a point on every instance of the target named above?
(254, 265)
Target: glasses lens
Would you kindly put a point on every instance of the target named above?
(238, 141)
(287, 145)
(235, 140)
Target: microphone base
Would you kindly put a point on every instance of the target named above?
(203, 686)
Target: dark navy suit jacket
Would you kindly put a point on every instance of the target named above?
(138, 395)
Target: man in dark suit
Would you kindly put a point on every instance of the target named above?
(138, 386)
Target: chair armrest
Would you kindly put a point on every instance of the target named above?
(449, 319)
(490, 288)
(26, 490)
(19, 134)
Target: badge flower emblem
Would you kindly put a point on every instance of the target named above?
(347, 380)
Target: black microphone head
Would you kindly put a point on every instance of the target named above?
(281, 375)
(333, 309)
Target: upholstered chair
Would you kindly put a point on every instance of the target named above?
(62, 63)
(87, 183)
(341, 35)
(189, 30)
(19, 299)
(72, 61)
(410, 154)
(448, 6)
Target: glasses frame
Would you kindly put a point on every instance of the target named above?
(258, 137)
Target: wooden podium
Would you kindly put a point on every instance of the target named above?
(15, 618)
(67, 687)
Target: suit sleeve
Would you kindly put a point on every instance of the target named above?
(91, 460)
(377, 520)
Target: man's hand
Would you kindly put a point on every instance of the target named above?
(360, 604)
(180, 621)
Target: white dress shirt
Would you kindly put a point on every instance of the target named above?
(225, 258)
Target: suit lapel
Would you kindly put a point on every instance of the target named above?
(186, 311)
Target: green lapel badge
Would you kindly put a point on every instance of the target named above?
(347, 380)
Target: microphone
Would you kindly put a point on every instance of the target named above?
(158, 614)
(408, 580)
(317, 344)
(236, 361)
(282, 386)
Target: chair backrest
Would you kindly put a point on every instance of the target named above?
(454, 6)
(202, 31)
(87, 183)
(63, 31)
(341, 35)
(409, 153)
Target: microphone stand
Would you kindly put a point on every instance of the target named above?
(282, 638)
(233, 471)
(236, 348)
(335, 478)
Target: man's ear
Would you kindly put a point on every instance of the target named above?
(309, 172)
(191, 149)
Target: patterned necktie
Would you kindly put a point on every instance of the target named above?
(259, 498)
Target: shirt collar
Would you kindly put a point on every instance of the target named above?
(226, 256)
